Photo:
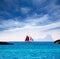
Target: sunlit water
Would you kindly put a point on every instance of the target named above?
(30, 50)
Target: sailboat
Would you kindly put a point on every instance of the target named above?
(28, 39)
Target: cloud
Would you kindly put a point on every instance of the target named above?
(53, 11)
(16, 8)
(38, 2)
(28, 22)
(39, 21)
(25, 10)
(37, 33)
(48, 7)
(47, 38)
(11, 24)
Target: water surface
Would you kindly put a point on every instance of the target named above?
(30, 50)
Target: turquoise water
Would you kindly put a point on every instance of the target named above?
(30, 50)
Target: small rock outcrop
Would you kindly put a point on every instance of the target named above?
(57, 41)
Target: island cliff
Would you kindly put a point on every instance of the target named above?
(57, 41)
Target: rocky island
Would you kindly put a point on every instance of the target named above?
(57, 41)
(5, 43)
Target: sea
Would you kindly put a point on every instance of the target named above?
(30, 50)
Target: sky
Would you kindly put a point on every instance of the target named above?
(39, 19)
